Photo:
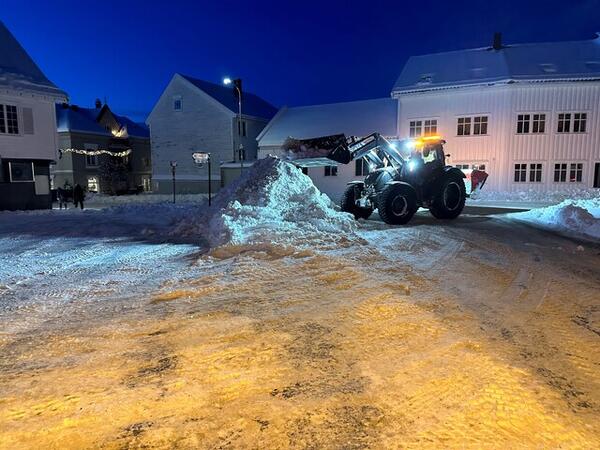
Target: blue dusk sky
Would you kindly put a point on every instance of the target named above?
(290, 53)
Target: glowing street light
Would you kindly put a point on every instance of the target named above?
(237, 84)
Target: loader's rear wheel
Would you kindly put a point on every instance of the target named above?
(397, 204)
(348, 203)
(450, 200)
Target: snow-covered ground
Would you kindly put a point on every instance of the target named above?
(101, 200)
(532, 196)
(578, 218)
(272, 320)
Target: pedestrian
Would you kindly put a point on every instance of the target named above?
(61, 195)
(78, 196)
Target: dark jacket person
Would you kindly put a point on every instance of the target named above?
(78, 196)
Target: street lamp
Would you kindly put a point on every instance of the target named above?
(237, 84)
(173, 165)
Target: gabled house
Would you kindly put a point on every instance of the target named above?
(101, 151)
(28, 139)
(194, 115)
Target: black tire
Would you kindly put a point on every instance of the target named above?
(397, 204)
(450, 199)
(348, 203)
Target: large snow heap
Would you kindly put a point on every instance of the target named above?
(574, 217)
(272, 201)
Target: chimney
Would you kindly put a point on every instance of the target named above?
(497, 45)
(98, 103)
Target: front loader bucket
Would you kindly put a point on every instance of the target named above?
(333, 147)
(478, 179)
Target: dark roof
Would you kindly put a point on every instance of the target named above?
(84, 120)
(18, 70)
(134, 129)
(551, 61)
(252, 105)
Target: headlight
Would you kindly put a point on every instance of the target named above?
(412, 165)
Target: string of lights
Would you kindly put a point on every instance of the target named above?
(95, 152)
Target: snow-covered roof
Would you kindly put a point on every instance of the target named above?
(357, 118)
(551, 61)
(18, 71)
(252, 105)
(71, 118)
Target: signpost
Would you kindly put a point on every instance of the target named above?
(173, 167)
(200, 159)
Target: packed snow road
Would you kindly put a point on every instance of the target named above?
(479, 332)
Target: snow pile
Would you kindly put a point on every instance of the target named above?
(574, 217)
(533, 195)
(272, 201)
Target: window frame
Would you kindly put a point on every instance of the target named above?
(480, 125)
(536, 171)
(10, 174)
(520, 172)
(565, 122)
(523, 123)
(577, 169)
(560, 172)
(176, 99)
(4, 120)
(413, 126)
(578, 121)
(464, 122)
(330, 171)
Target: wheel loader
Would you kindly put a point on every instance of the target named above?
(402, 178)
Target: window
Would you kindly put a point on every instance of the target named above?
(538, 123)
(177, 103)
(92, 184)
(560, 173)
(597, 175)
(9, 122)
(579, 122)
(91, 160)
(20, 171)
(464, 126)
(361, 167)
(523, 121)
(463, 166)
(564, 123)
(430, 127)
(576, 173)
(331, 171)
(416, 128)
(535, 173)
(480, 124)
(520, 173)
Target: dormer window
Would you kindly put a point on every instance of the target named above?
(548, 68)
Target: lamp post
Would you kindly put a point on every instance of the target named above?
(201, 158)
(237, 84)
(173, 165)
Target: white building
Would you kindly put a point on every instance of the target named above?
(529, 114)
(194, 115)
(28, 139)
(350, 118)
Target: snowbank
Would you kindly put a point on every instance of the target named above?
(532, 195)
(573, 217)
(273, 200)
